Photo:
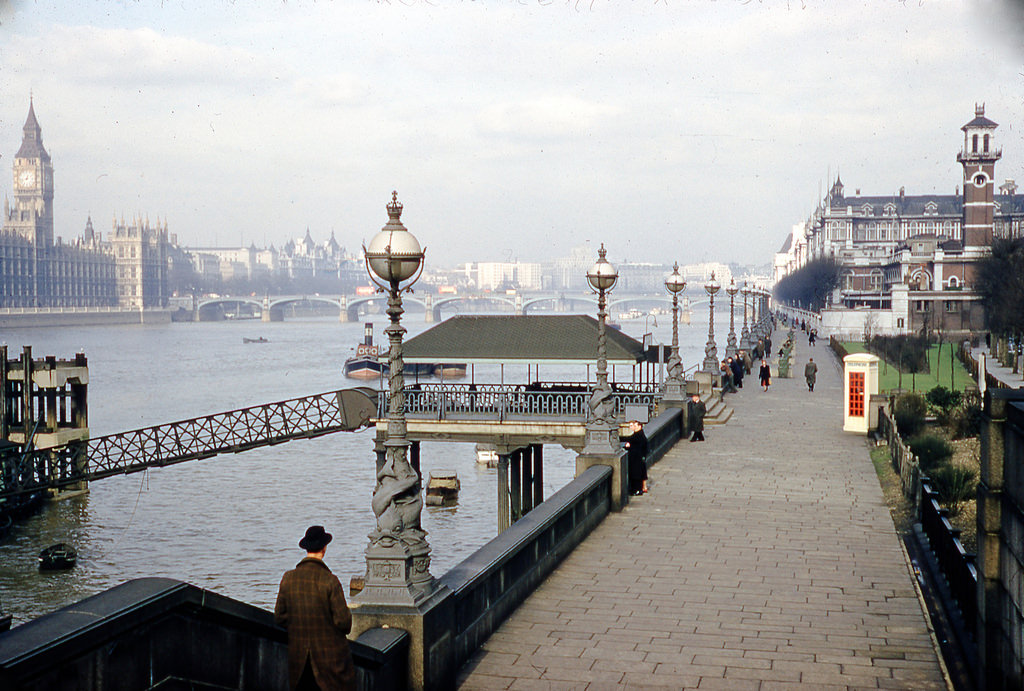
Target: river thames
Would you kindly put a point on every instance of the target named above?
(231, 523)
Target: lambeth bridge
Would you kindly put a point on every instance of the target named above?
(351, 308)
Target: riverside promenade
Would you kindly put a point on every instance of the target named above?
(764, 558)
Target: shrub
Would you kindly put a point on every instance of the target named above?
(943, 398)
(965, 420)
(955, 485)
(909, 412)
(931, 451)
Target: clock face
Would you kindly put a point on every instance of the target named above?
(27, 178)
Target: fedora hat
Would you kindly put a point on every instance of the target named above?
(315, 539)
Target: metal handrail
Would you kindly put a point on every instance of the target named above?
(489, 401)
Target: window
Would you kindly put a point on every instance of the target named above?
(952, 306)
(922, 306)
(974, 144)
(856, 394)
(985, 145)
(899, 322)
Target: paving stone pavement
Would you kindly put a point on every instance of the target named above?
(764, 558)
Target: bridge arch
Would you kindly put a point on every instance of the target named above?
(509, 304)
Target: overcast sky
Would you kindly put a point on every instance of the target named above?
(670, 131)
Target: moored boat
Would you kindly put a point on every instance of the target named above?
(57, 557)
(365, 364)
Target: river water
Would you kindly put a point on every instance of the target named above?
(231, 523)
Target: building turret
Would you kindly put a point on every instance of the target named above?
(978, 159)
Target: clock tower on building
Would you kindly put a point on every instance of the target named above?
(31, 215)
(979, 158)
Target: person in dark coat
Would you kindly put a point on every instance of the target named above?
(727, 382)
(811, 373)
(697, 412)
(311, 607)
(636, 453)
(765, 375)
(737, 371)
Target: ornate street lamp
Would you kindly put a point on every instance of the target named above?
(710, 349)
(745, 335)
(602, 429)
(398, 556)
(675, 388)
(730, 344)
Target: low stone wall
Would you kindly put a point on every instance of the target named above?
(163, 633)
(1000, 560)
(488, 586)
(95, 316)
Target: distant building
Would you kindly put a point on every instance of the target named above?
(908, 261)
(39, 270)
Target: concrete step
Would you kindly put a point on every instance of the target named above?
(718, 411)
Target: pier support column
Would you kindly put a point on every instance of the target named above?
(428, 312)
(538, 474)
(526, 489)
(343, 311)
(414, 457)
(503, 504)
(515, 494)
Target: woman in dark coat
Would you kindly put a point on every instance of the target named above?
(765, 375)
(636, 454)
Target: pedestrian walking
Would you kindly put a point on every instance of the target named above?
(747, 361)
(636, 455)
(311, 607)
(765, 375)
(697, 412)
(810, 373)
(812, 337)
(727, 382)
(737, 371)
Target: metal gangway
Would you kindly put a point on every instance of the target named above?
(35, 470)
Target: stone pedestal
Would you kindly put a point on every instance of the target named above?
(429, 625)
(620, 473)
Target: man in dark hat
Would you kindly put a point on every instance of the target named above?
(311, 606)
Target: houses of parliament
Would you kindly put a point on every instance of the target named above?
(128, 269)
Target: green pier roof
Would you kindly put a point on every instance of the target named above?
(565, 339)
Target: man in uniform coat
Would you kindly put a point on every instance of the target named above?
(311, 606)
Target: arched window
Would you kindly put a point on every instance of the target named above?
(985, 143)
(974, 142)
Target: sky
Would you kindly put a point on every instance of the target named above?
(686, 130)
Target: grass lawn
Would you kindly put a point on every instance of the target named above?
(938, 364)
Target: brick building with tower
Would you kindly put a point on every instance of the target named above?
(908, 261)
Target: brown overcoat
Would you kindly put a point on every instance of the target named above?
(311, 606)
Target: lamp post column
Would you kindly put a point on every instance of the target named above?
(674, 391)
(745, 335)
(710, 349)
(730, 344)
(601, 443)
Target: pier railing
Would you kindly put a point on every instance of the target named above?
(512, 402)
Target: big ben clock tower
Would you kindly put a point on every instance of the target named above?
(979, 158)
(31, 215)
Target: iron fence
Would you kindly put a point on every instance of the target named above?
(497, 402)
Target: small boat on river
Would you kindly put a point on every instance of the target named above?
(57, 557)
(254, 340)
(365, 364)
(368, 363)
